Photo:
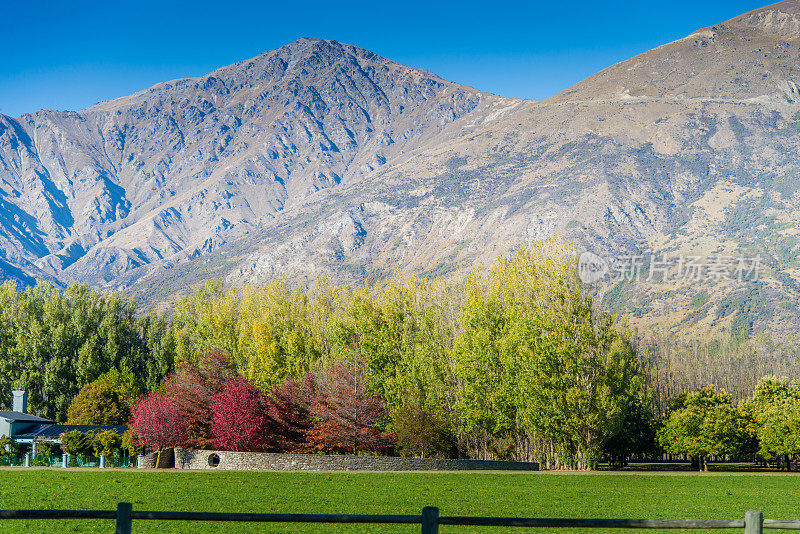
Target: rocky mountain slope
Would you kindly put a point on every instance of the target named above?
(176, 170)
(321, 158)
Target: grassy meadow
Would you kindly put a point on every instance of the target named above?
(543, 494)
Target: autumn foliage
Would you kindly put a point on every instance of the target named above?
(210, 406)
(192, 390)
(240, 419)
(158, 423)
(346, 419)
(289, 410)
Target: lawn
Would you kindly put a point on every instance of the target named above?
(663, 495)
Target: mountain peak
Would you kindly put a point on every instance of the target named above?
(308, 46)
(320, 52)
(181, 167)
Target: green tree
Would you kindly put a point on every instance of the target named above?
(704, 424)
(98, 403)
(636, 435)
(52, 343)
(205, 319)
(108, 443)
(273, 334)
(539, 361)
(774, 411)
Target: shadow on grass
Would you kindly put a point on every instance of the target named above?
(732, 467)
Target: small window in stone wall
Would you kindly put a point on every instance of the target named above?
(213, 460)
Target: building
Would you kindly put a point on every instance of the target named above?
(18, 420)
(23, 427)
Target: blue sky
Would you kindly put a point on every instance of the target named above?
(69, 55)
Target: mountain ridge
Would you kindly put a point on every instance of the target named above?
(323, 159)
(254, 93)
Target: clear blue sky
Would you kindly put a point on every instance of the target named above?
(69, 55)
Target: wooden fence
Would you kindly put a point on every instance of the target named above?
(753, 522)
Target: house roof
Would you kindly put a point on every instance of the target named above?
(53, 432)
(23, 417)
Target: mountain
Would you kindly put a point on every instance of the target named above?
(174, 171)
(322, 158)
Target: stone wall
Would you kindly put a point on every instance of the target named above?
(257, 461)
(167, 460)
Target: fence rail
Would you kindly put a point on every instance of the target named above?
(753, 522)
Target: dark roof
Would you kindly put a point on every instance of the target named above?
(47, 431)
(21, 416)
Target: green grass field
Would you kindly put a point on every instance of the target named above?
(662, 495)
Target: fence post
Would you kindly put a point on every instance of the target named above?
(124, 518)
(753, 522)
(430, 520)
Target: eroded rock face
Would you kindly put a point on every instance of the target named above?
(321, 158)
(178, 169)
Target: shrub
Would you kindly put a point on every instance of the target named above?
(76, 442)
(130, 443)
(46, 449)
(9, 446)
(108, 443)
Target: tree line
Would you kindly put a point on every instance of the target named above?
(516, 363)
(706, 423)
(54, 342)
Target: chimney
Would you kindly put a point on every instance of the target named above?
(20, 401)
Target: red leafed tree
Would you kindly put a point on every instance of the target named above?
(346, 418)
(289, 410)
(240, 421)
(193, 389)
(157, 422)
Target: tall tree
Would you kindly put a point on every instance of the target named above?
(158, 423)
(52, 343)
(774, 410)
(540, 363)
(346, 418)
(205, 320)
